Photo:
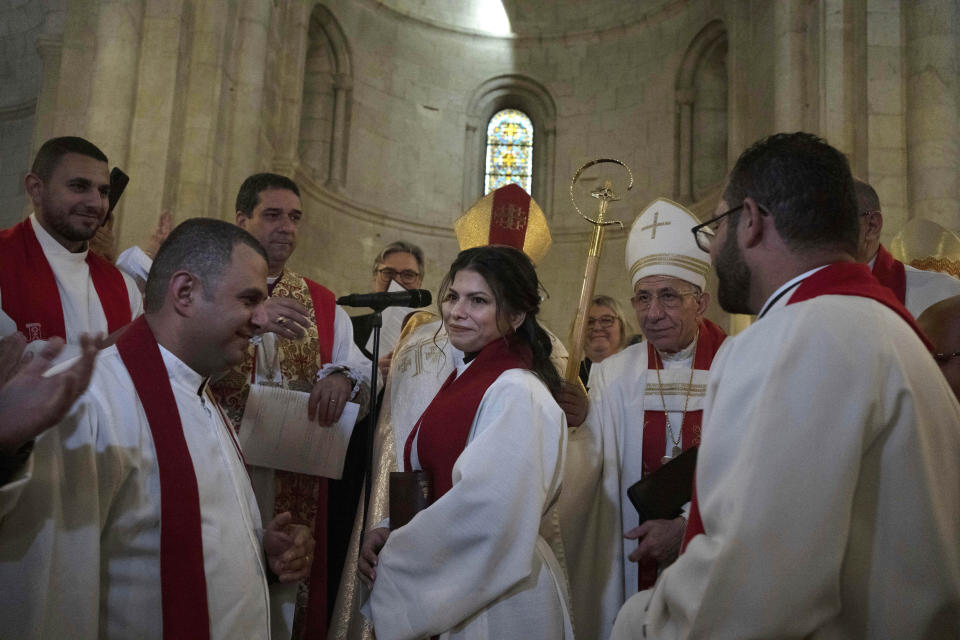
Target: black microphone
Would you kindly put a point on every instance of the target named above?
(414, 298)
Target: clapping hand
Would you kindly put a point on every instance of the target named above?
(31, 403)
(289, 548)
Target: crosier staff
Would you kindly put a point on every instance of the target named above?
(605, 195)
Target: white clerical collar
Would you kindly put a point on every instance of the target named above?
(461, 366)
(178, 370)
(779, 297)
(873, 260)
(52, 248)
(272, 280)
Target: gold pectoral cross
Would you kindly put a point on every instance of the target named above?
(656, 215)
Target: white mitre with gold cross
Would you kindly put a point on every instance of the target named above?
(661, 244)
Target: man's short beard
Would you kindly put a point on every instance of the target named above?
(733, 276)
(62, 227)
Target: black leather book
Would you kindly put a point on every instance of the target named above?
(662, 494)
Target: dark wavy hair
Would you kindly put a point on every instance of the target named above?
(807, 187)
(516, 289)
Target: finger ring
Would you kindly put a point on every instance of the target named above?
(333, 401)
(281, 320)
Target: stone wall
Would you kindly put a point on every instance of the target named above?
(378, 108)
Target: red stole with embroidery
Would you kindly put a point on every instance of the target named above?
(838, 279)
(710, 337)
(183, 583)
(655, 422)
(891, 274)
(445, 424)
(30, 294)
(324, 310)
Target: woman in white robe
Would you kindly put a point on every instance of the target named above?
(481, 561)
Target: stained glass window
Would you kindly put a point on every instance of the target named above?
(509, 150)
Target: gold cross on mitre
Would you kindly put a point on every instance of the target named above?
(656, 215)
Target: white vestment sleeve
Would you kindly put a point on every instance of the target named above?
(478, 543)
(346, 356)
(50, 537)
(780, 478)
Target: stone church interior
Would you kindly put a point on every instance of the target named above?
(380, 109)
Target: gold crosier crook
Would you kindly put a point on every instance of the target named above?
(605, 195)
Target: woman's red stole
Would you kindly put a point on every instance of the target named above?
(441, 433)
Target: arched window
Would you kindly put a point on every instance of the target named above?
(702, 115)
(516, 94)
(509, 150)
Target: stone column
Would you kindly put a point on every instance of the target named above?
(788, 67)
(155, 128)
(471, 162)
(933, 113)
(547, 174)
(113, 96)
(247, 105)
(296, 20)
(49, 47)
(685, 98)
(342, 86)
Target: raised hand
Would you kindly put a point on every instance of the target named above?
(31, 403)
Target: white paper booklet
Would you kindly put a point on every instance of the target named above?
(276, 433)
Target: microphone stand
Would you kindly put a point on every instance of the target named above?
(373, 415)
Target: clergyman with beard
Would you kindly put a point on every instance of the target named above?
(51, 285)
(827, 494)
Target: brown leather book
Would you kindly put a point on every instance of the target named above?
(410, 493)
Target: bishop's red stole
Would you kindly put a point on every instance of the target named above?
(891, 273)
(30, 294)
(183, 583)
(709, 339)
(838, 279)
(445, 424)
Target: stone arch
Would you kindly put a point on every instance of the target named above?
(511, 91)
(327, 97)
(701, 108)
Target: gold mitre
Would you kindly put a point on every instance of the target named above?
(509, 216)
(660, 244)
(926, 245)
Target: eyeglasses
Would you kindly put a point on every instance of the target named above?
(706, 232)
(407, 276)
(668, 299)
(603, 322)
(944, 358)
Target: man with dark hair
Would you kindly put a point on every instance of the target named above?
(134, 516)
(827, 494)
(915, 288)
(50, 283)
(306, 345)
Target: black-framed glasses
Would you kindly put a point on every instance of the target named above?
(705, 233)
(944, 358)
(407, 276)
